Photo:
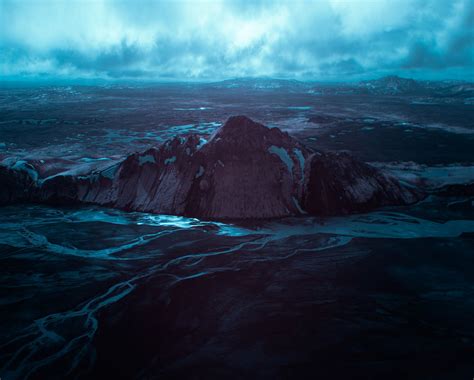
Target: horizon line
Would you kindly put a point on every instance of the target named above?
(79, 80)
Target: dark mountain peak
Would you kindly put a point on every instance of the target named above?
(243, 131)
(245, 170)
(242, 123)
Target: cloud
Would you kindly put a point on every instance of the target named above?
(206, 40)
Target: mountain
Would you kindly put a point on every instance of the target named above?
(261, 83)
(245, 170)
(391, 85)
(463, 90)
(394, 85)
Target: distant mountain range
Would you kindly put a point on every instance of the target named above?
(388, 85)
(261, 83)
(395, 85)
(391, 85)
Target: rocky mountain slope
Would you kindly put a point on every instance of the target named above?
(245, 170)
(392, 85)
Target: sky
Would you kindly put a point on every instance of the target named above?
(325, 40)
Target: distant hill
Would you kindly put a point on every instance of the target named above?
(458, 90)
(395, 85)
(392, 85)
(261, 83)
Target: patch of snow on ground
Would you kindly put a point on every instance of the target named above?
(283, 155)
(147, 158)
(110, 172)
(297, 205)
(26, 167)
(301, 160)
(446, 128)
(202, 141)
(170, 160)
(432, 176)
(200, 172)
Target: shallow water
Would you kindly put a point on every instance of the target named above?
(68, 273)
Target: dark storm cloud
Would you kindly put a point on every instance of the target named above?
(329, 39)
(457, 50)
(114, 59)
(343, 67)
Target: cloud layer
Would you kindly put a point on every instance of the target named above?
(208, 40)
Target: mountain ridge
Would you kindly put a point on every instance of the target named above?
(244, 171)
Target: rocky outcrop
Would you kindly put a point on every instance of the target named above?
(248, 170)
(17, 182)
(456, 190)
(245, 170)
(340, 184)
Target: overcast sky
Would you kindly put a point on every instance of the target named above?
(197, 40)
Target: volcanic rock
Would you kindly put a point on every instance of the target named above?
(340, 184)
(16, 182)
(245, 170)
